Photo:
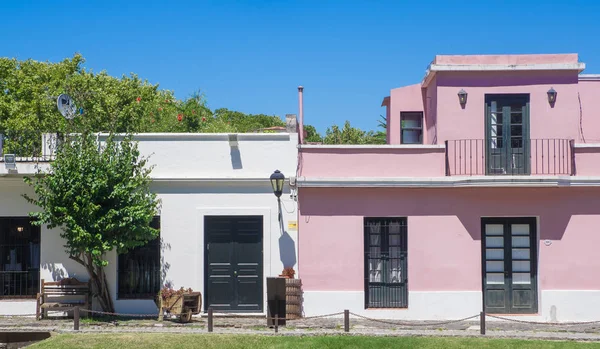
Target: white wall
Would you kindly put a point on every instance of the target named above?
(194, 175)
(209, 156)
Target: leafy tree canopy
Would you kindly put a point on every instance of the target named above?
(100, 198)
(129, 104)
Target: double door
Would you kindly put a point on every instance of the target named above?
(234, 263)
(509, 265)
(507, 135)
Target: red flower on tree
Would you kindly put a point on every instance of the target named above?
(179, 117)
(203, 119)
(138, 99)
(159, 109)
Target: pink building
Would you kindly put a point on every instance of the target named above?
(486, 197)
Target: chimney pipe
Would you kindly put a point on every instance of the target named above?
(301, 114)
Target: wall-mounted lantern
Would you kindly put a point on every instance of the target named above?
(277, 179)
(552, 96)
(462, 97)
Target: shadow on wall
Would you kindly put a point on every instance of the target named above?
(554, 207)
(58, 271)
(287, 250)
(164, 265)
(236, 158)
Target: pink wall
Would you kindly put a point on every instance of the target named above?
(507, 59)
(374, 162)
(408, 98)
(589, 91)
(444, 234)
(430, 133)
(562, 121)
(587, 161)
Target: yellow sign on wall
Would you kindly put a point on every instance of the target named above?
(292, 225)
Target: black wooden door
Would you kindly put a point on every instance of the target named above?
(509, 265)
(507, 135)
(386, 283)
(234, 263)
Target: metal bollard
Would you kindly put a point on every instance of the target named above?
(76, 319)
(346, 320)
(210, 319)
(482, 322)
(276, 323)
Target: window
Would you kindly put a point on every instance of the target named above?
(411, 124)
(386, 283)
(139, 270)
(19, 258)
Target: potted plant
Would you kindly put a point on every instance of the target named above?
(182, 302)
(288, 273)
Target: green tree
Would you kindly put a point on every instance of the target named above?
(99, 195)
(349, 135)
(312, 136)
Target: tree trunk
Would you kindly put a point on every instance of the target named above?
(100, 289)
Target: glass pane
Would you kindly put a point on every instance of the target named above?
(395, 271)
(521, 266)
(516, 118)
(521, 278)
(494, 229)
(520, 253)
(411, 136)
(412, 120)
(375, 270)
(494, 241)
(520, 241)
(494, 278)
(520, 229)
(516, 142)
(494, 266)
(494, 253)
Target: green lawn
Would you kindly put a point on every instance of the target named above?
(156, 340)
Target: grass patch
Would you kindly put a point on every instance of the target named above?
(159, 340)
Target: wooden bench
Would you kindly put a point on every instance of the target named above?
(63, 295)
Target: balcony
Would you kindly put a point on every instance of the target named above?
(27, 146)
(478, 157)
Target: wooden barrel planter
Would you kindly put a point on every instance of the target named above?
(293, 298)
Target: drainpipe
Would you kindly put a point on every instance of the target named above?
(300, 114)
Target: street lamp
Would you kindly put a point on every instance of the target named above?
(462, 97)
(552, 96)
(277, 179)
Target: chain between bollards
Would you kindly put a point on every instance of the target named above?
(482, 323)
(210, 319)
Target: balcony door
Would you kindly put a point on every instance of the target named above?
(507, 134)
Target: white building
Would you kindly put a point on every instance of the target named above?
(218, 223)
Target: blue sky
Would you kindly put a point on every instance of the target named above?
(251, 55)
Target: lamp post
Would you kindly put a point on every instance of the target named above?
(277, 180)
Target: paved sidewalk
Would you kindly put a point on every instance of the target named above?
(320, 326)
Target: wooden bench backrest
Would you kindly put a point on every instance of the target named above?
(65, 287)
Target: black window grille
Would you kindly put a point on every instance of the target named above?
(19, 258)
(139, 270)
(386, 280)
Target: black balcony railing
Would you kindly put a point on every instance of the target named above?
(28, 146)
(480, 157)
